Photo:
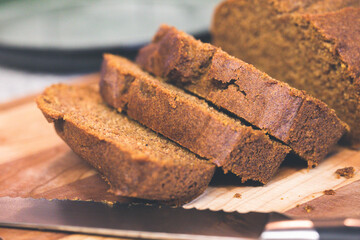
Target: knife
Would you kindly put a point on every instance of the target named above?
(165, 222)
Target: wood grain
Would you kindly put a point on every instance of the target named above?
(19, 234)
(345, 203)
(291, 186)
(35, 162)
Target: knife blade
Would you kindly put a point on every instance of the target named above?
(162, 222)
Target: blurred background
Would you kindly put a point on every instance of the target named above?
(48, 41)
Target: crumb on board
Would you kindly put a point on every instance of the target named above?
(308, 208)
(237, 195)
(329, 192)
(282, 198)
(311, 165)
(297, 205)
(109, 203)
(347, 172)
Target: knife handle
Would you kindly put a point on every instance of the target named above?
(347, 229)
(337, 229)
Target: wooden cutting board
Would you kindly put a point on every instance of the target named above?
(35, 162)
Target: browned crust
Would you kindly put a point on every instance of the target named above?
(129, 173)
(307, 6)
(189, 121)
(306, 124)
(334, 22)
(343, 29)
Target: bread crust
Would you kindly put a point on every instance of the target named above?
(190, 122)
(312, 45)
(129, 171)
(304, 123)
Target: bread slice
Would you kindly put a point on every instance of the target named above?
(306, 124)
(312, 45)
(134, 160)
(189, 121)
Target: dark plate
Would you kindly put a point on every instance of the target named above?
(71, 36)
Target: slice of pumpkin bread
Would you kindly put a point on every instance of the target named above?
(306, 124)
(134, 160)
(189, 121)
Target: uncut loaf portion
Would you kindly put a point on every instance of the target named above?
(189, 121)
(304, 123)
(312, 45)
(135, 161)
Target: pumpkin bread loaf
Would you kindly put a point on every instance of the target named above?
(189, 121)
(312, 45)
(134, 160)
(306, 124)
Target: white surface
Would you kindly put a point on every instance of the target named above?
(15, 84)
